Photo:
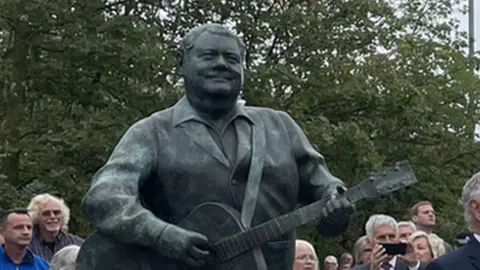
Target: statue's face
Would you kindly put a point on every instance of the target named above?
(213, 73)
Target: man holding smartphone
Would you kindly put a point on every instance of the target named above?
(388, 253)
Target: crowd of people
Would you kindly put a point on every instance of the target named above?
(37, 237)
(424, 248)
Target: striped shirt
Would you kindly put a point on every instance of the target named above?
(46, 250)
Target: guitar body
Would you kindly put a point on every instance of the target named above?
(215, 220)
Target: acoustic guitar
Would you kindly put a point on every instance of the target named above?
(232, 243)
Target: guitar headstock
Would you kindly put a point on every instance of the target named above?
(392, 178)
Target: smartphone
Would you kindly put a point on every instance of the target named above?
(395, 248)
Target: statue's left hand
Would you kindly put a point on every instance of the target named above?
(336, 214)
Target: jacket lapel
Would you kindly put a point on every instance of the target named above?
(245, 140)
(199, 134)
(400, 265)
(474, 252)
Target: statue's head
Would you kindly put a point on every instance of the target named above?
(210, 59)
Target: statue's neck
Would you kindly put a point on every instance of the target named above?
(217, 119)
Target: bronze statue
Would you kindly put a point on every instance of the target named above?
(176, 176)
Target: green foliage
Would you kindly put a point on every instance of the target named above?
(370, 84)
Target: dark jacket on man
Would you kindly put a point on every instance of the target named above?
(466, 257)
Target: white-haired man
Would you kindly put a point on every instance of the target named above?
(405, 229)
(466, 257)
(384, 229)
(305, 256)
(50, 217)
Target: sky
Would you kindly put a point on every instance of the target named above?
(464, 27)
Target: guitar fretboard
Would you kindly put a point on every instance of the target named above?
(274, 228)
(393, 178)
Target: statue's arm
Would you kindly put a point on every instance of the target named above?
(112, 203)
(316, 181)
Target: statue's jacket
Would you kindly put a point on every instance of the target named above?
(164, 166)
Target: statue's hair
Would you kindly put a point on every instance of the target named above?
(65, 258)
(36, 204)
(188, 41)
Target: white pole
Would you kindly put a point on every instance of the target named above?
(471, 23)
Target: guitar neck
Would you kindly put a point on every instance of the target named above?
(277, 227)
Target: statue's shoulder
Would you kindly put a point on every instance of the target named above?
(162, 115)
(264, 111)
(159, 118)
(268, 114)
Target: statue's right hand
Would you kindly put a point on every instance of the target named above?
(185, 245)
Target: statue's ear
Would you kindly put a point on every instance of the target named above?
(179, 58)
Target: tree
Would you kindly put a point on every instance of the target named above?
(369, 82)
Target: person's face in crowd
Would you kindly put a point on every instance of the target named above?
(422, 250)
(330, 266)
(213, 73)
(18, 230)
(51, 218)
(367, 251)
(384, 234)
(425, 216)
(474, 210)
(1, 238)
(346, 262)
(404, 232)
(305, 258)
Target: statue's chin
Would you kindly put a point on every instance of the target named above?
(214, 101)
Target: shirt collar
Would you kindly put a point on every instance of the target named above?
(184, 112)
(38, 236)
(27, 259)
(477, 236)
(393, 262)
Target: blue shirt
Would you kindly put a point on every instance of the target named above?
(29, 262)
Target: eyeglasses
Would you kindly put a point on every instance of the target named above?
(48, 213)
(306, 257)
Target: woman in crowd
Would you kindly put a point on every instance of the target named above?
(422, 246)
(361, 251)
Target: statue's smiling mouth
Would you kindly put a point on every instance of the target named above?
(220, 76)
(223, 79)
